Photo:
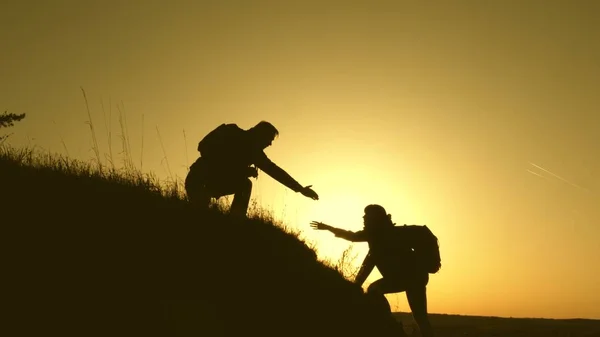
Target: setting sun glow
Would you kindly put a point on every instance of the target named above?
(479, 121)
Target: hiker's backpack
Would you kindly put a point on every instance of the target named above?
(218, 142)
(426, 247)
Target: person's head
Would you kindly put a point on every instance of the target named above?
(264, 133)
(376, 217)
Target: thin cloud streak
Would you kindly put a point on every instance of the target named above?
(557, 176)
(537, 174)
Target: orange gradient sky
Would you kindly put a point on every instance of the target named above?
(444, 114)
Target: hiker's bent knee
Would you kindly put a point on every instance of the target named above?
(374, 289)
(200, 198)
(379, 301)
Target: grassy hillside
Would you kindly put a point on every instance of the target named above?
(101, 252)
(91, 252)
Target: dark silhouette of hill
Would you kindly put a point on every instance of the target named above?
(482, 326)
(112, 254)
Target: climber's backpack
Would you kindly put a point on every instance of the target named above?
(219, 142)
(426, 247)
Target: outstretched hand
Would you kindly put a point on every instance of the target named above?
(319, 225)
(308, 192)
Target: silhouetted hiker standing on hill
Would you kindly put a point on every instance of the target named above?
(225, 165)
(392, 251)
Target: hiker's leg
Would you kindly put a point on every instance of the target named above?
(387, 286)
(376, 291)
(417, 300)
(241, 188)
(197, 194)
(200, 199)
(241, 198)
(195, 185)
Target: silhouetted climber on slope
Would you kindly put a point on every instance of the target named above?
(404, 255)
(225, 165)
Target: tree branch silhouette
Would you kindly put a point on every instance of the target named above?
(7, 120)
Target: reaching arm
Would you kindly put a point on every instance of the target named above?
(276, 172)
(359, 236)
(365, 269)
(348, 235)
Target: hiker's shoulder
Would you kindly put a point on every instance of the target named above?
(406, 227)
(230, 126)
(407, 230)
(231, 129)
(401, 228)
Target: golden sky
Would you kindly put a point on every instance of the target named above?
(447, 115)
